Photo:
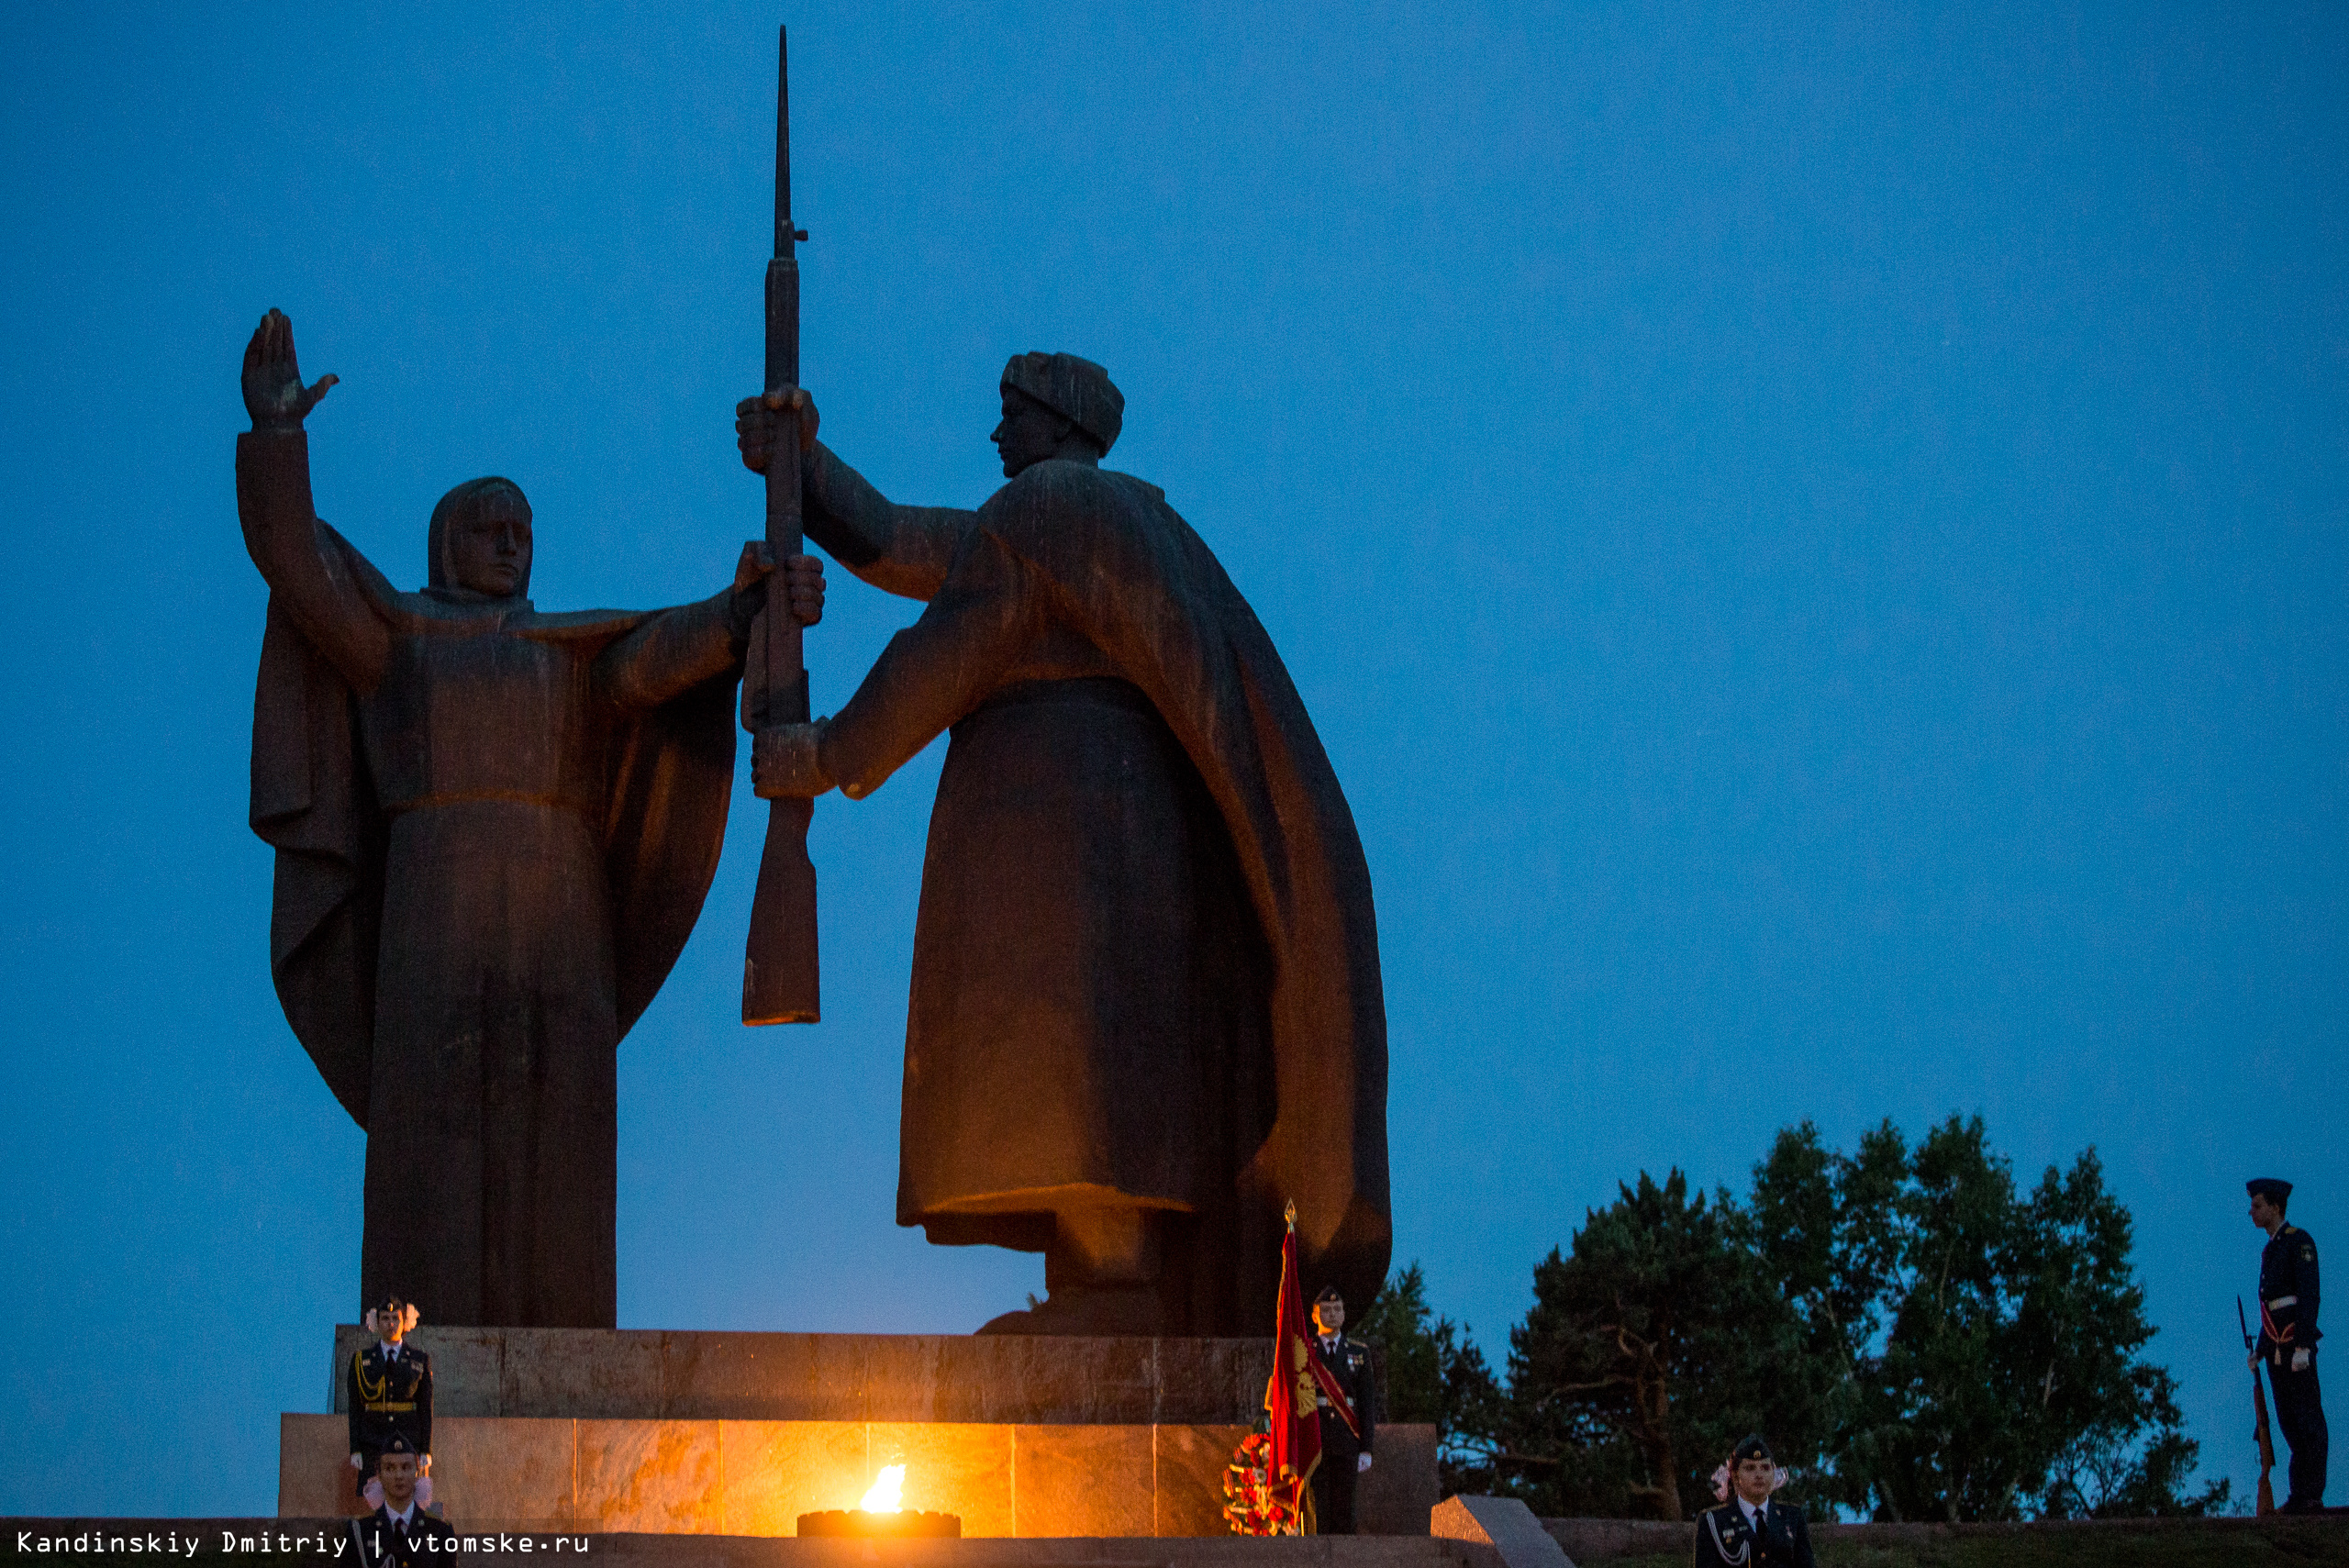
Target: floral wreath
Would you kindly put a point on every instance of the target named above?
(1249, 1506)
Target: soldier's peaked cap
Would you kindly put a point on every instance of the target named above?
(1329, 1293)
(1750, 1446)
(1078, 389)
(398, 1443)
(2269, 1187)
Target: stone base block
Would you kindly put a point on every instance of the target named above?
(691, 1375)
(722, 1477)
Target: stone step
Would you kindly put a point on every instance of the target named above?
(755, 1478)
(299, 1537)
(705, 1375)
(1227, 1551)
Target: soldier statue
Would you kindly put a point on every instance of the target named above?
(1146, 1005)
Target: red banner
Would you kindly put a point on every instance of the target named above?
(1301, 1386)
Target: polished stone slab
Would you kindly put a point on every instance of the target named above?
(245, 1544)
(1228, 1551)
(675, 1374)
(1505, 1524)
(659, 1476)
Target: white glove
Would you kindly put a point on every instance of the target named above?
(1362, 1460)
(2299, 1363)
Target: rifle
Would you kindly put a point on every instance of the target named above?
(780, 976)
(2259, 1405)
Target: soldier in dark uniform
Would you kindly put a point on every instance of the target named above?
(2288, 1337)
(1748, 1530)
(392, 1536)
(1345, 1456)
(388, 1390)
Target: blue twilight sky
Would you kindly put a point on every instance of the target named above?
(1815, 538)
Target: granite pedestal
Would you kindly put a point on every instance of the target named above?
(671, 1432)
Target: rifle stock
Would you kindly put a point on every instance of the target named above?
(781, 978)
(2267, 1504)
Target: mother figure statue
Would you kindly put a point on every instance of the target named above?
(494, 828)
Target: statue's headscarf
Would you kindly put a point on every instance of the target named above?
(457, 508)
(1077, 390)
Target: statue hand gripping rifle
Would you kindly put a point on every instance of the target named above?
(1146, 1007)
(494, 828)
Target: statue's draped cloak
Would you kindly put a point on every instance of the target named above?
(517, 935)
(1071, 546)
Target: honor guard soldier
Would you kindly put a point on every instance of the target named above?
(1748, 1530)
(393, 1536)
(388, 1389)
(1344, 1455)
(2288, 1337)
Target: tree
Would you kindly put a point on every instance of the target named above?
(1436, 1374)
(1918, 1338)
(1982, 1345)
(1652, 1345)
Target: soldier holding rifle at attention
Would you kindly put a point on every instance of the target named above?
(2288, 1337)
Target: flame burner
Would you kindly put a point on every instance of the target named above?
(860, 1524)
(878, 1518)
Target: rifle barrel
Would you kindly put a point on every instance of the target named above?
(781, 977)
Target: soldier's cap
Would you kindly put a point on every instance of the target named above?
(1077, 390)
(1329, 1293)
(391, 1304)
(1750, 1446)
(2269, 1187)
(399, 1444)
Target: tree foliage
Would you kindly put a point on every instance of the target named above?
(1919, 1339)
(1658, 1299)
(1435, 1374)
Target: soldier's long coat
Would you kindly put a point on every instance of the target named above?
(1126, 740)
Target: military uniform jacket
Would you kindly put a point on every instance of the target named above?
(1725, 1539)
(2288, 1294)
(382, 1544)
(1350, 1365)
(388, 1392)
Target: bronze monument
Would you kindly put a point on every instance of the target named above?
(1146, 1007)
(494, 828)
(1146, 1010)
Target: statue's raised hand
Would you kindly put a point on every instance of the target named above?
(275, 394)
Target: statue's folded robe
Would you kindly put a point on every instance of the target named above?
(671, 779)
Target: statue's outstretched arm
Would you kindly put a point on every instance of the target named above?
(674, 651)
(936, 670)
(899, 550)
(307, 578)
(670, 653)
